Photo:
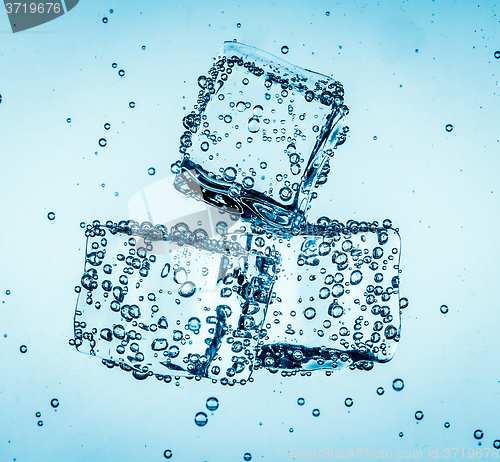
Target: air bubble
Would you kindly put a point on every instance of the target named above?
(201, 419)
(238, 25)
(478, 434)
(212, 404)
(23, 348)
(253, 125)
(348, 402)
(496, 443)
(151, 171)
(258, 110)
(380, 391)
(301, 401)
(107, 126)
(241, 106)
(449, 128)
(68, 120)
(315, 412)
(105, 20)
(263, 165)
(228, 119)
(103, 142)
(497, 54)
(204, 146)
(121, 72)
(131, 104)
(167, 454)
(398, 384)
(143, 47)
(248, 182)
(187, 289)
(247, 456)
(419, 415)
(443, 309)
(309, 313)
(51, 216)
(54, 402)
(285, 49)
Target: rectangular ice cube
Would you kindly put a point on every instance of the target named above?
(260, 136)
(195, 309)
(335, 300)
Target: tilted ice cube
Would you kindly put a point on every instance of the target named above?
(193, 309)
(335, 300)
(259, 139)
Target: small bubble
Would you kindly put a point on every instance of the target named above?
(447, 425)
(143, 47)
(401, 434)
(68, 120)
(315, 412)
(151, 171)
(285, 49)
(448, 128)
(309, 313)
(167, 454)
(301, 401)
(111, 11)
(443, 309)
(54, 402)
(398, 384)
(103, 142)
(419, 415)
(116, 193)
(212, 403)
(40, 423)
(375, 138)
(121, 72)
(327, 13)
(23, 348)
(51, 216)
(38, 414)
(82, 224)
(380, 391)
(497, 54)
(496, 443)
(416, 50)
(238, 25)
(107, 126)
(204, 146)
(263, 165)
(131, 104)
(290, 430)
(478, 434)
(7, 292)
(348, 402)
(200, 419)
(105, 20)
(247, 456)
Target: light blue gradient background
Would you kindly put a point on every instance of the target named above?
(440, 189)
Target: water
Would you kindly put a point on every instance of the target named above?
(435, 185)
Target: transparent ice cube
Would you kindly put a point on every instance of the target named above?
(335, 300)
(195, 308)
(259, 139)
